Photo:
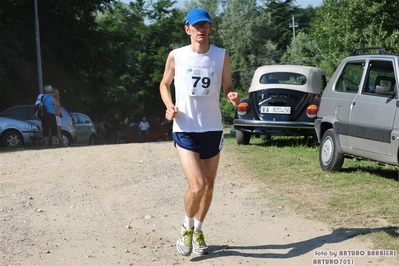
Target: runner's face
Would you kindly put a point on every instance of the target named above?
(199, 31)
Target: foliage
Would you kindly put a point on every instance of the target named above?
(281, 13)
(302, 51)
(142, 50)
(247, 43)
(343, 25)
(108, 57)
(70, 49)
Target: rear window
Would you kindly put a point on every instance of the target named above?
(283, 78)
(20, 113)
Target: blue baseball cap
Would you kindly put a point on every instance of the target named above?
(197, 15)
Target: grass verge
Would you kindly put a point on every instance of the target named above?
(361, 197)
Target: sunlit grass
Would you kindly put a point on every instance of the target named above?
(362, 195)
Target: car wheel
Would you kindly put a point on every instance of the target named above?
(242, 138)
(66, 139)
(122, 141)
(329, 156)
(12, 139)
(92, 140)
(160, 139)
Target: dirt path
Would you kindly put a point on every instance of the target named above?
(122, 205)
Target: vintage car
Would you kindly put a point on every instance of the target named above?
(282, 100)
(358, 112)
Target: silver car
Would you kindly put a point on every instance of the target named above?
(16, 132)
(27, 113)
(358, 111)
(85, 129)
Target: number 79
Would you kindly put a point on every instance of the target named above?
(205, 81)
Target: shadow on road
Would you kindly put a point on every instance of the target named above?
(294, 249)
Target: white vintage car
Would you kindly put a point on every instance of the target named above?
(282, 100)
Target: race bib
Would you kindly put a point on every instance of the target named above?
(203, 82)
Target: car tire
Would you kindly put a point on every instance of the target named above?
(66, 138)
(242, 138)
(329, 157)
(12, 139)
(122, 141)
(92, 140)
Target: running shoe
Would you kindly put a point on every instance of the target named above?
(184, 243)
(199, 246)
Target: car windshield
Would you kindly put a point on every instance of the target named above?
(283, 78)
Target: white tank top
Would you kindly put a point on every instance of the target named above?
(198, 80)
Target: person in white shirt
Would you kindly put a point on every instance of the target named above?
(198, 70)
(144, 126)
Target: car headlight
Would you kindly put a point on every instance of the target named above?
(32, 127)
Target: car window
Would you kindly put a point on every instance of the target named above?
(66, 111)
(380, 80)
(78, 119)
(283, 78)
(15, 113)
(87, 119)
(21, 113)
(350, 78)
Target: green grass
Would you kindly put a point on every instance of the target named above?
(362, 195)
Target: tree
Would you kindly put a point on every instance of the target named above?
(142, 37)
(343, 25)
(280, 13)
(243, 32)
(302, 51)
(67, 32)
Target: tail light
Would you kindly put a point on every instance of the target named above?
(311, 111)
(242, 108)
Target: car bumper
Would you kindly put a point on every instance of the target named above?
(274, 127)
(317, 127)
(32, 137)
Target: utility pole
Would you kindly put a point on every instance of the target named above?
(293, 25)
(38, 54)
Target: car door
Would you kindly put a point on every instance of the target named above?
(373, 112)
(342, 97)
(81, 128)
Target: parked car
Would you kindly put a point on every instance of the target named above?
(358, 112)
(282, 100)
(27, 113)
(157, 132)
(15, 132)
(85, 129)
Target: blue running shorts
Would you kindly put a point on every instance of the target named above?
(207, 144)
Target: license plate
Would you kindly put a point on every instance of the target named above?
(275, 109)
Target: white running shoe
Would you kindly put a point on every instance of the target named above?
(199, 246)
(184, 243)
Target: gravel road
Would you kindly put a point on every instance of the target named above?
(123, 205)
